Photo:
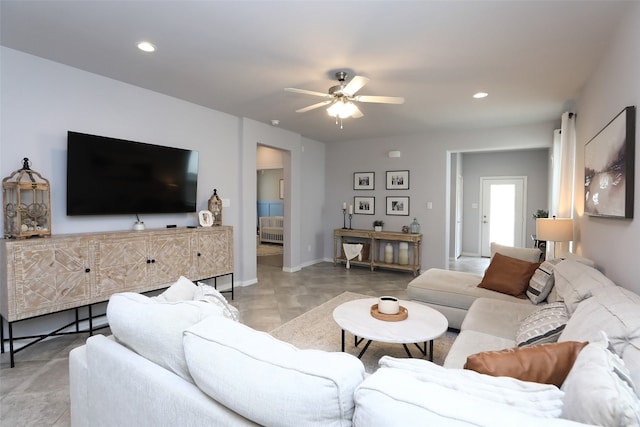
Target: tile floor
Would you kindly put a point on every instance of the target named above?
(36, 392)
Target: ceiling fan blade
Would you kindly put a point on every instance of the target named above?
(380, 99)
(307, 92)
(354, 85)
(313, 107)
(357, 113)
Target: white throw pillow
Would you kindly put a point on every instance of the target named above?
(598, 389)
(153, 328)
(615, 311)
(543, 325)
(182, 290)
(541, 282)
(540, 400)
(269, 381)
(575, 282)
(209, 293)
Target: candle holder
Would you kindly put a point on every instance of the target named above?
(350, 216)
(344, 218)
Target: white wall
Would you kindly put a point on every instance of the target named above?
(613, 243)
(426, 156)
(533, 164)
(41, 100)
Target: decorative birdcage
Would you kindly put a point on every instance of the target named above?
(215, 207)
(26, 198)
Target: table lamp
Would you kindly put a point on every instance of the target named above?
(554, 230)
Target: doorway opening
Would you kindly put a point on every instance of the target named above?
(270, 206)
(503, 208)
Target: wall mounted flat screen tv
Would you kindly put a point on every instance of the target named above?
(109, 176)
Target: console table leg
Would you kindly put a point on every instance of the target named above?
(11, 344)
(90, 321)
(1, 334)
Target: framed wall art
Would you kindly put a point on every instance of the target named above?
(364, 180)
(609, 162)
(364, 205)
(397, 205)
(397, 180)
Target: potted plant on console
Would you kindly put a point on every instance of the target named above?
(377, 225)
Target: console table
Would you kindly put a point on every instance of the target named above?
(47, 275)
(374, 239)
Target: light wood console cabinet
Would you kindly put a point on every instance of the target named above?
(47, 275)
(375, 239)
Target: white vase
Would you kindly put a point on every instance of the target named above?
(377, 228)
(388, 253)
(403, 253)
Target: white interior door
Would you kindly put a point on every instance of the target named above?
(503, 208)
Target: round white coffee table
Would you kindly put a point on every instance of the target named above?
(423, 324)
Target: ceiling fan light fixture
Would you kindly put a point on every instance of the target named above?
(342, 109)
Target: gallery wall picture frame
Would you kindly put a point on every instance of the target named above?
(609, 163)
(364, 180)
(364, 205)
(398, 205)
(397, 180)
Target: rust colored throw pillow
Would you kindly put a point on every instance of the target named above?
(508, 275)
(544, 363)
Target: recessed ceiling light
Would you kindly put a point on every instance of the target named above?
(480, 95)
(146, 47)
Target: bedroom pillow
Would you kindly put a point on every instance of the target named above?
(508, 275)
(599, 390)
(542, 281)
(543, 325)
(544, 363)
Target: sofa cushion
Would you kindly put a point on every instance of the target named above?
(508, 275)
(269, 381)
(544, 363)
(616, 311)
(482, 316)
(598, 390)
(575, 282)
(541, 282)
(153, 328)
(471, 342)
(393, 397)
(542, 400)
(543, 326)
(524, 254)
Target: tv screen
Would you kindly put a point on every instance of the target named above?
(108, 176)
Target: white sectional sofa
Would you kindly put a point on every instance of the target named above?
(453, 292)
(181, 362)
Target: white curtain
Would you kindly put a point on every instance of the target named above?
(563, 173)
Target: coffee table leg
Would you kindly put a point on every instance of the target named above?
(343, 340)
(364, 349)
(430, 350)
(407, 350)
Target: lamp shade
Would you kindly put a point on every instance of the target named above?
(554, 229)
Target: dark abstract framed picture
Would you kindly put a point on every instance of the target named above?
(609, 162)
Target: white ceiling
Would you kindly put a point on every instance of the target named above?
(532, 57)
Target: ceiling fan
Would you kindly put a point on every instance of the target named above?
(342, 96)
